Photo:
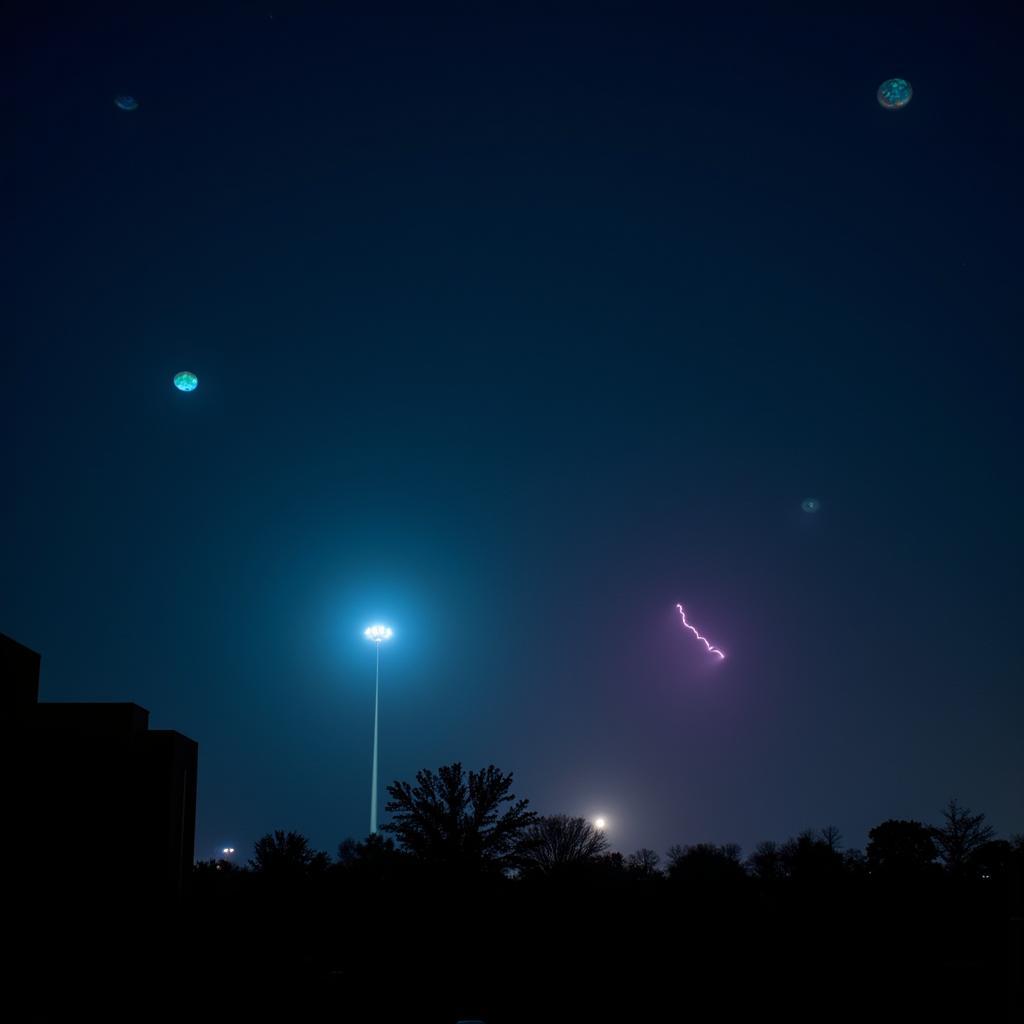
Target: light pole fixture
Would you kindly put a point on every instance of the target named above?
(378, 634)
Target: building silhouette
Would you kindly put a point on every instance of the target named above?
(103, 806)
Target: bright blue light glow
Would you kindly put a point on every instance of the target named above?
(126, 102)
(186, 381)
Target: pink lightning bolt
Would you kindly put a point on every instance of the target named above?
(711, 650)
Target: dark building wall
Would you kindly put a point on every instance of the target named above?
(104, 807)
(171, 762)
(19, 676)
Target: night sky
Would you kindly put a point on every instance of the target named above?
(512, 333)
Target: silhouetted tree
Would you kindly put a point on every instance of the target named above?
(609, 867)
(705, 864)
(960, 837)
(810, 859)
(218, 865)
(643, 864)
(445, 820)
(991, 861)
(558, 844)
(855, 864)
(899, 848)
(282, 855)
(832, 837)
(765, 863)
(376, 857)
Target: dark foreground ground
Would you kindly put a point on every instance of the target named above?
(512, 952)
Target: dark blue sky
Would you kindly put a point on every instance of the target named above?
(513, 333)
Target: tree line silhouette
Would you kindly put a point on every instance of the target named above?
(454, 823)
(466, 882)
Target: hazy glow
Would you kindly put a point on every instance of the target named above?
(186, 381)
(711, 650)
(228, 850)
(810, 504)
(377, 633)
(600, 824)
(126, 102)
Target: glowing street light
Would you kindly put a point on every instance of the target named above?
(378, 634)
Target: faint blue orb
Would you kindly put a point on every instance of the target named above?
(894, 93)
(186, 381)
(126, 102)
(810, 504)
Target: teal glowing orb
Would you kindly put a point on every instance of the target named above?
(810, 504)
(186, 381)
(894, 93)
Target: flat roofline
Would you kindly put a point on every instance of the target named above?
(91, 704)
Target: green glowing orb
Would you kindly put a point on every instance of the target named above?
(186, 381)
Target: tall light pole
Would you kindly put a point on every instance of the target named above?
(378, 634)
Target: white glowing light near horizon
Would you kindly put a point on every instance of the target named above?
(378, 633)
(228, 850)
(600, 824)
